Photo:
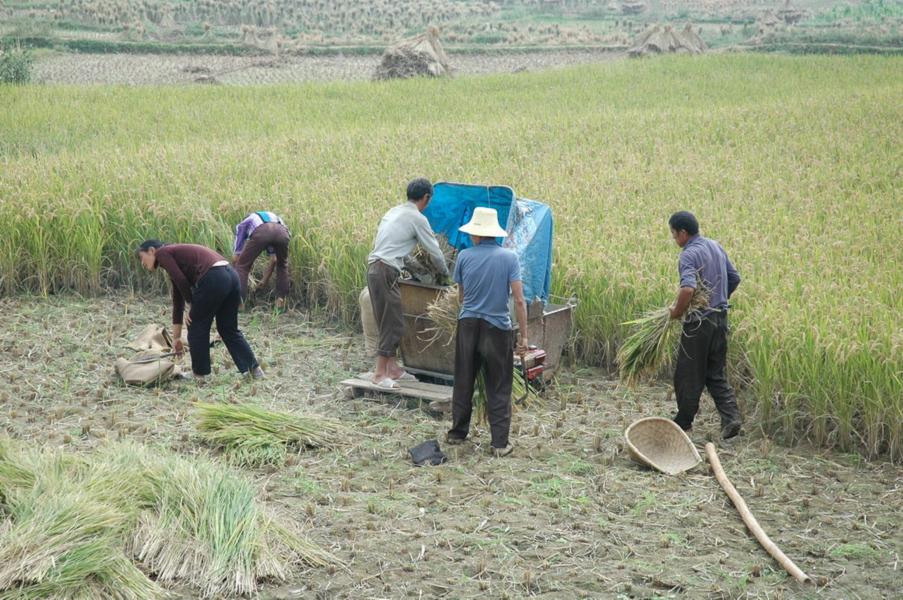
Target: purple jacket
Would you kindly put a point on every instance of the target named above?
(244, 229)
(708, 259)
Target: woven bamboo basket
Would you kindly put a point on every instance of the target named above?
(661, 444)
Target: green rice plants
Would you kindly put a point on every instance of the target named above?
(15, 64)
(253, 436)
(650, 346)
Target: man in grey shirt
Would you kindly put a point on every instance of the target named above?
(400, 230)
(702, 356)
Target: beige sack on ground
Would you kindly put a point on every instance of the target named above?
(371, 331)
(156, 339)
(140, 371)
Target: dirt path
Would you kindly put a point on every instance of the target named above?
(567, 516)
(131, 69)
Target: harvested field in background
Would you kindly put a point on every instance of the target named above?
(131, 69)
(792, 163)
(568, 515)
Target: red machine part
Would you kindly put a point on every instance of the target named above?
(532, 363)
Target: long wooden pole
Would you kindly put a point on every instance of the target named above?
(749, 519)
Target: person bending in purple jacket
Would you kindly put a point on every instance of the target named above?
(259, 231)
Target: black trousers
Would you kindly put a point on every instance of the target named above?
(701, 363)
(217, 296)
(480, 346)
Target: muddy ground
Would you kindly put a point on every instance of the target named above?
(131, 69)
(567, 516)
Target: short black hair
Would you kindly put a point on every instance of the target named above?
(148, 244)
(684, 220)
(418, 188)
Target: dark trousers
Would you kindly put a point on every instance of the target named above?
(701, 363)
(265, 236)
(480, 346)
(217, 296)
(385, 296)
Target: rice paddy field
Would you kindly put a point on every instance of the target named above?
(794, 164)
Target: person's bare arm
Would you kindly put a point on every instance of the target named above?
(682, 302)
(177, 346)
(520, 310)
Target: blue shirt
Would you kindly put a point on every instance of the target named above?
(707, 258)
(486, 272)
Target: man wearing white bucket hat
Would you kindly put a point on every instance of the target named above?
(399, 232)
(487, 275)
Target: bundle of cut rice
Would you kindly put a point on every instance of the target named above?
(443, 312)
(95, 526)
(419, 264)
(522, 394)
(253, 436)
(650, 346)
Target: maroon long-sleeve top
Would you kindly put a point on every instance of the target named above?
(186, 265)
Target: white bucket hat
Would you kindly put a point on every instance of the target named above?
(485, 223)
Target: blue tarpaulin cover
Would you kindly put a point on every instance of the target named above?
(528, 223)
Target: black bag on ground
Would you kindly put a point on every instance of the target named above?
(427, 453)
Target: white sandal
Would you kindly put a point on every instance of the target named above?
(387, 384)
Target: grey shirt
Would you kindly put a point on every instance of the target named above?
(708, 259)
(399, 232)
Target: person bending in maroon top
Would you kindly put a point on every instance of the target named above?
(206, 282)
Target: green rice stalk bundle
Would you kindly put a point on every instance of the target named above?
(25, 473)
(650, 346)
(443, 312)
(521, 391)
(14, 476)
(69, 545)
(208, 529)
(252, 436)
(80, 527)
(60, 538)
(205, 527)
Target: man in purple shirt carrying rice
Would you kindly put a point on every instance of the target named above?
(259, 231)
(702, 356)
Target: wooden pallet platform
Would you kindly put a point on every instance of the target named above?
(424, 395)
